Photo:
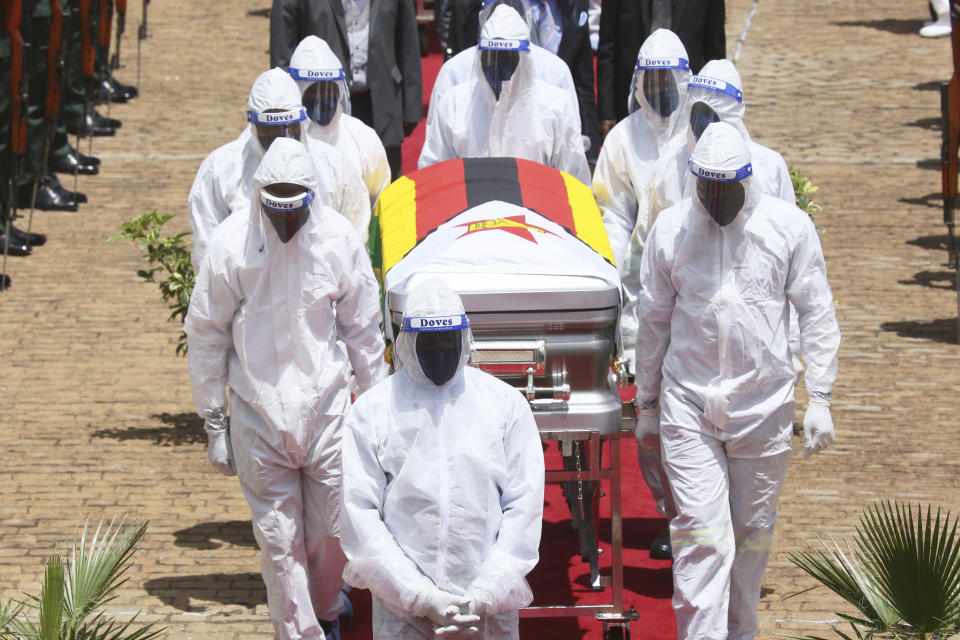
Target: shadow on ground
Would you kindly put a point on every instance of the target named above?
(943, 330)
(180, 429)
(933, 85)
(934, 200)
(890, 25)
(213, 535)
(945, 280)
(931, 124)
(244, 589)
(936, 243)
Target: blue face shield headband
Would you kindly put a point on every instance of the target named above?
(271, 125)
(721, 192)
(439, 344)
(701, 114)
(499, 59)
(286, 215)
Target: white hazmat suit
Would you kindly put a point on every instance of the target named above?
(530, 119)
(623, 185)
(264, 319)
(313, 61)
(223, 182)
(712, 347)
(717, 89)
(442, 489)
(549, 67)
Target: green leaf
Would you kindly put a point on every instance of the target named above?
(51, 599)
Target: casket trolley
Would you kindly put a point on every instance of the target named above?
(525, 247)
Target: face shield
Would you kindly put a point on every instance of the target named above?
(438, 344)
(286, 213)
(659, 86)
(499, 59)
(323, 91)
(276, 123)
(721, 192)
(712, 100)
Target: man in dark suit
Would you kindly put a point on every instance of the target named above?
(625, 24)
(461, 21)
(386, 90)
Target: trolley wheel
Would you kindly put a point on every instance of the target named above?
(616, 631)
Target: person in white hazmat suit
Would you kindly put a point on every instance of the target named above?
(277, 289)
(622, 184)
(443, 479)
(548, 66)
(504, 110)
(322, 82)
(223, 183)
(714, 374)
(716, 95)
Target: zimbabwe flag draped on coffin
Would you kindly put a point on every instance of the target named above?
(412, 208)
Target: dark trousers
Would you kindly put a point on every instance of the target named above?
(361, 107)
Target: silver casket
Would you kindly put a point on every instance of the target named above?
(543, 306)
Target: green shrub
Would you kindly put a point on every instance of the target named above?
(168, 256)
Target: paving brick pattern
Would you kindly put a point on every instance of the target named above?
(98, 419)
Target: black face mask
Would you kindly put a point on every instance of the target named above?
(321, 100)
(498, 67)
(660, 90)
(722, 200)
(287, 224)
(438, 353)
(267, 133)
(700, 117)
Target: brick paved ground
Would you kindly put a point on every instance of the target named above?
(98, 419)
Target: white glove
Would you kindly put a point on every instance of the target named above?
(442, 607)
(458, 631)
(648, 425)
(219, 450)
(817, 426)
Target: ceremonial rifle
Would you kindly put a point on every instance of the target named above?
(949, 148)
(12, 15)
(121, 8)
(141, 36)
(51, 108)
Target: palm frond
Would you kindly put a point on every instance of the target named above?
(51, 599)
(102, 628)
(844, 576)
(97, 568)
(914, 562)
(9, 611)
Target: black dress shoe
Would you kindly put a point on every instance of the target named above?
(89, 125)
(49, 198)
(79, 196)
(16, 247)
(660, 547)
(106, 91)
(68, 164)
(85, 159)
(103, 121)
(127, 91)
(4, 281)
(32, 239)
